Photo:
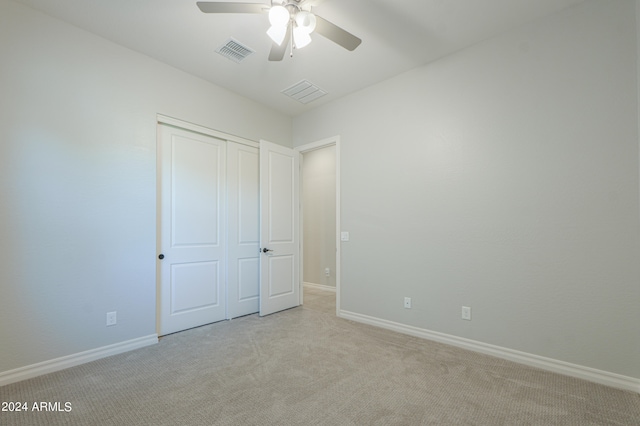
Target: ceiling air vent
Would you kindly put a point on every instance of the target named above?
(304, 92)
(234, 50)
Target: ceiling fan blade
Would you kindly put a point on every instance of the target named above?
(277, 52)
(312, 3)
(336, 34)
(215, 7)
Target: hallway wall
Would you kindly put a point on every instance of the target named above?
(319, 215)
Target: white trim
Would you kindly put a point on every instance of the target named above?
(320, 286)
(338, 227)
(301, 226)
(549, 364)
(175, 122)
(317, 145)
(332, 141)
(46, 367)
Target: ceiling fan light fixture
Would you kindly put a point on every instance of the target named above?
(306, 21)
(292, 23)
(279, 16)
(301, 37)
(277, 34)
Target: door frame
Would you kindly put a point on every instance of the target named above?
(302, 149)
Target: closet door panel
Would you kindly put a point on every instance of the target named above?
(243, 197)
(191, 217)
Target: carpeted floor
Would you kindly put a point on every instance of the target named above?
(304, 366)
(320, 300)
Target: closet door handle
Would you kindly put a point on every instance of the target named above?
(266, 250)
(161, 256)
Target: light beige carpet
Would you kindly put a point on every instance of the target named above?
(304, 366)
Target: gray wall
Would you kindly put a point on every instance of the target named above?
(319, 215)
(505, 178)
(78, 181)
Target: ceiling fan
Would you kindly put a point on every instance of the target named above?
(291, 21)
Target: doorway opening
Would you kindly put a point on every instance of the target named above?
(320, 224)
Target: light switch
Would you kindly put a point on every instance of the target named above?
(344, 236)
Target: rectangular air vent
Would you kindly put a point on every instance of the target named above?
(304, 92)
(234, 50)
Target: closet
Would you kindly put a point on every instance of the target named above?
(228, 235)
(208, 226)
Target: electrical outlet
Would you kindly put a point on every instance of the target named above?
(111, 318)
(327, 272)
(466, 313)
(407, 303)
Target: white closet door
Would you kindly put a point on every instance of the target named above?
(243, 276)
(191, 172)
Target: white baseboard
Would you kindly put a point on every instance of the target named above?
(34, 370)
(320, 286)
(549, 364)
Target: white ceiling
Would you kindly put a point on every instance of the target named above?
(397, 35)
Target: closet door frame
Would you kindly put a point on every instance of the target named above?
(185, 125)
